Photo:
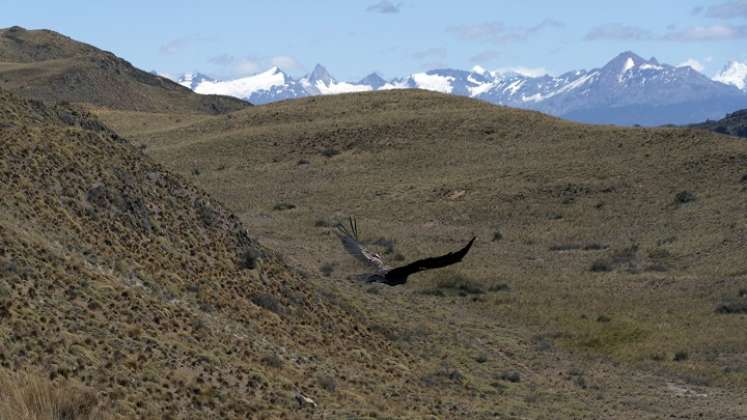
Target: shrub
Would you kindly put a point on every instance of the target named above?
(327, 382)
(542, 343)
(248, 259)
(327, 269)
(497, 235)
(603, 318)
(329, 152)
(601, 266)
(449, 283)
(283, 206)
(500, 287)
(444, 376)
(268, 302)
(680, 356)
(433, 292)
(738, 307)
(272, 360)
(510, 376)
(323, 223)
(684, 197)
(626, 256)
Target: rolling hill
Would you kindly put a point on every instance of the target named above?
(609, 269)
(45, 65)
(734, 124)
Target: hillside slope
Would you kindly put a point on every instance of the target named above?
(123, 277)
(614, 255)
(47, 66)
(734, 124)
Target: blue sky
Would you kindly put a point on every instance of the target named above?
(353, 38)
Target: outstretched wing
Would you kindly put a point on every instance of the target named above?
(399, 275)
(350, 241)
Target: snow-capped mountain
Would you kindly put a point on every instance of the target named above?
(627, 90)
(269, 86)
(320, 82)
(734, 73)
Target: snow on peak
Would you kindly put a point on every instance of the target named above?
(340, 87)
(734, 73)
(245, 86)
(479, 70)
(629, 64)
(433, 82)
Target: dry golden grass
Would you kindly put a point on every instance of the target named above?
(28, 396)
(431, 170)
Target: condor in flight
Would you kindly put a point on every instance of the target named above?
(387, 275)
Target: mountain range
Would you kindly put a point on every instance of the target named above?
(627, 90)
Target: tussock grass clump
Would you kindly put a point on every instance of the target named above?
(444, 376)
(601, 266)
(451, 283)
(577, 246)
(269, 302)
(26, 396)
(283, 206)
(248, 260)
(327, 382)
(737, 307)
(510, 376)
(684, 197)
(272, 360)
(329, 152)
(327, 269)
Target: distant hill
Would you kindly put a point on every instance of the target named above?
(734, 124)
(51, 67)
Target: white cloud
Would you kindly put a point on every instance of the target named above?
(729, 10)
(695, 64)
(499, 33)
(707, 33)
(384, 7)
(621, 32)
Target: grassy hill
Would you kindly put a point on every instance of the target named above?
(610, 263)
(734, 124)
(125, 290)
(45, 65)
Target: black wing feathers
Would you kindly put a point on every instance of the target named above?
(399, 275)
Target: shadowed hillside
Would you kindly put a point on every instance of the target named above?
(734, 124)
(45, 65)
(617, 255)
